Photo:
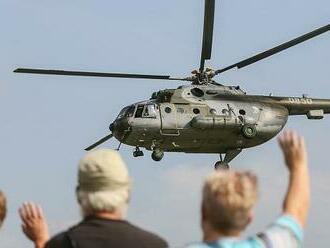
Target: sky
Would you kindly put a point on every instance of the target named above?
(47, 121)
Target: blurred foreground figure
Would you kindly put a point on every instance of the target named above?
(103, 193)
(229, 198)
(3, 208)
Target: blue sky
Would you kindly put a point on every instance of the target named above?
(47, 121)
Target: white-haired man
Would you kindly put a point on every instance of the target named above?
(229, 198)
(103, 193)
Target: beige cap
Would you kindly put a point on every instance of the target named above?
(102, 170)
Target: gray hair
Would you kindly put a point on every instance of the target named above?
(103, 201)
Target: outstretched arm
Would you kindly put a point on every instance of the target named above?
(34, 224)
(297, 199)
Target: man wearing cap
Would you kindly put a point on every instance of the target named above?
(103, 193)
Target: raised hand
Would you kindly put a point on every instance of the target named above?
(294, 149)
(34, 224)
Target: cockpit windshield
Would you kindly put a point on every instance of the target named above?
(126, 112)
(146, 111)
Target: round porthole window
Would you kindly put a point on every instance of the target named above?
(196, 111)
(242, 112)
(168, 110)
(213, 111)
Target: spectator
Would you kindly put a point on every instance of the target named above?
(3, 207)
(103, 194)
(229, 198)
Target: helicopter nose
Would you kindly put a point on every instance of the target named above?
(111, 127)
(120, 128)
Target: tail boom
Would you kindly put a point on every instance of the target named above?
(311, 107)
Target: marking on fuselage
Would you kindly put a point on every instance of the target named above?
(300, 100)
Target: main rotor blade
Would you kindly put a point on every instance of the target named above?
(104, 139)
(276, 49)
(207, 32)
(95, 74)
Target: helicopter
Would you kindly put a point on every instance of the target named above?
(204, 116)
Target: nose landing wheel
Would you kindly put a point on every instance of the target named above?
(137, 152)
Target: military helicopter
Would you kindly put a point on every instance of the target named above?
(205, 116)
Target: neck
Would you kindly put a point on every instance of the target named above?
(210, 234)
(109, 215)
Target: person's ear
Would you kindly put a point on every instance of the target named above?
(128, 196)
(250, 217)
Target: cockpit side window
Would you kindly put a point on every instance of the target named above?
(146, 111)
(139, 110)
(149, 111)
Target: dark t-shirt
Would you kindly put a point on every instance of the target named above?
(104, 233)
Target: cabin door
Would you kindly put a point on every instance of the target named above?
(168, 118)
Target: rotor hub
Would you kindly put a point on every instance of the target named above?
(204, 77)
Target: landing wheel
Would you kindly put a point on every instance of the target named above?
(157, 155)
(221, 166)
(137, 153)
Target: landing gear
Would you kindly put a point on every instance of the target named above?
(157, 154)
(137, 152)
(223, 164)
(118, 148)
